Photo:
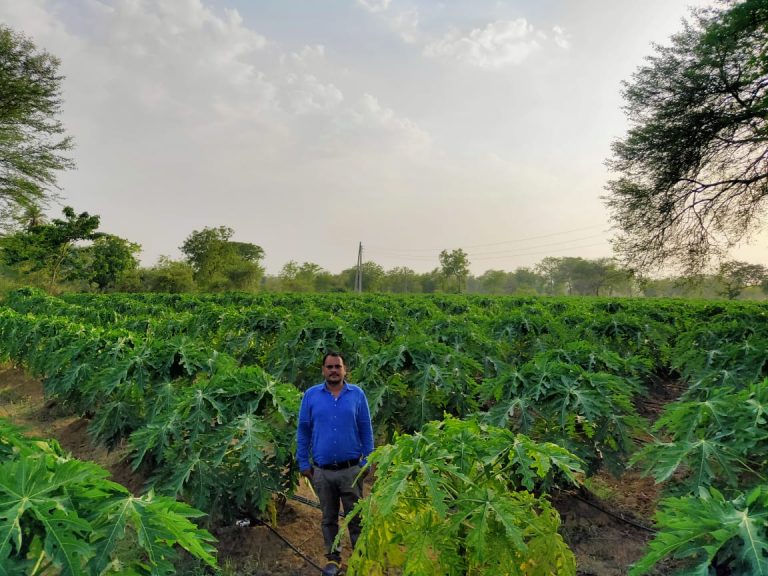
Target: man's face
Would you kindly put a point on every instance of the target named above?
(333, 370)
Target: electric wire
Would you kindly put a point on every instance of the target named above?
(514, 241)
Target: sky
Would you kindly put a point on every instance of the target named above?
(309, 126)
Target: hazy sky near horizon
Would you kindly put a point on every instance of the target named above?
(308, 126)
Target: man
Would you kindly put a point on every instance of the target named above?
(335, 430)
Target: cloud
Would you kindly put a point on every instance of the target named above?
(307, 95)
(406, 24)
(500, 44)
(306, 56)
(562, 38)
(375, 5)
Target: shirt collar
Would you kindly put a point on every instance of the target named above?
(343, 387)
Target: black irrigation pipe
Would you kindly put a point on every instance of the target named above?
(589, 501)
(592, 501)
(306, 558)
(618, 516)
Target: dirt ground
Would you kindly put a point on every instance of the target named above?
(603, 544)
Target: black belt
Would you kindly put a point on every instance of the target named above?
(339, 465)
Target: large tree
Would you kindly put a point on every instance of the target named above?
(455, 264)
(693, 168)
(221, 263)
(32, 141)
(735, 276)
(110, 258)
(49, 250)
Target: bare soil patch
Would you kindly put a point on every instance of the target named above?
(603, 544)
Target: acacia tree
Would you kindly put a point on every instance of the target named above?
(735, 276)
(32, 141)
(455, 264)
(693, 168)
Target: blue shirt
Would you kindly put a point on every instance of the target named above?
(333, 429)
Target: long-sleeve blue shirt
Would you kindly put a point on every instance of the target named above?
(332, 429)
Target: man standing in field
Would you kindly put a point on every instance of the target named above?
(335, 429)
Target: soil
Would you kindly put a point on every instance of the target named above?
(604, 544)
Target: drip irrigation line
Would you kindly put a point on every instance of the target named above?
(306, 558)
(591, 501)
(306, 501)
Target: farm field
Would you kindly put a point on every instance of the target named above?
(199, 395)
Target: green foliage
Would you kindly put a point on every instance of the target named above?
(714, 439)
(736, 276)
(221, 263)
(691, 170)
(169, 276)
(49, 248)
(586, 409)
(32, 144)
(455, 264)
(111, 258)
(457, 498)
(712, 534)
(61, 512)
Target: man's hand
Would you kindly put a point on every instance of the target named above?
(308, 473)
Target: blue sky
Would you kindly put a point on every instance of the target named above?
(309, 126)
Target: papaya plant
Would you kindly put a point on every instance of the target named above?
(61, 515)
(462, 498)
(711, 534)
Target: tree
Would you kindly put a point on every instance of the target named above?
(111, 257)
(455, 264)
(300, 278)
(169, 276)
(373, 277)
(48, 248)
(495, 282)
(32, 144)
(735, 276)
(401, 279)
(693, 168)
(579, 276)
(222, 264)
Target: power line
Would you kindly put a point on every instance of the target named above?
(514, 255)
(513, 241)
(500, 253)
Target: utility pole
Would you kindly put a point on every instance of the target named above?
(359, 274)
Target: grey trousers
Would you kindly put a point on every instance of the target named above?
(332, 486)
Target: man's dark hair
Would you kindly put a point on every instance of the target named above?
(334, 355)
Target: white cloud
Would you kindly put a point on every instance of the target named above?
(306, 56)
(369, 129)
(562, 38)
(306, 95)
(375, 5)
(500, 44)
(406, 24)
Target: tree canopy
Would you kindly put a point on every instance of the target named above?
(32, 141)
(69, 249)
(220, 263)
(735, 276)
(693, 168)
(455, 264)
